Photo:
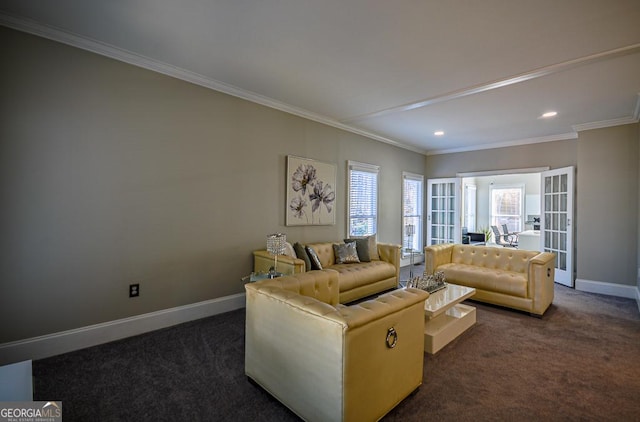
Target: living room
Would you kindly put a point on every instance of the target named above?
(116, 175)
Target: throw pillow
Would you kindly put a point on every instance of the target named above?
(315, 261)
(289, 251)
(346, 253)
(301, 253)
(362, 247)
(373, 246)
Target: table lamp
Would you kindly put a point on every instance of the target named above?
(276, 245)
(410, 230)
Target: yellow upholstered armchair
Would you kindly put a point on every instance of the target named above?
(330, 362)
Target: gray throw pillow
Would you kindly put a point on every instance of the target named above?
(346, 253)
(362, 246)
(373, 246)
(301, 253)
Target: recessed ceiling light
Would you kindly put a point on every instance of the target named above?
(438, 133)
(550, 114)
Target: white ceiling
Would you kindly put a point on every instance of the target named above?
(481, 71)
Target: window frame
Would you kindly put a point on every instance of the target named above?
(364, 168)
(418, 235)
(520, 215)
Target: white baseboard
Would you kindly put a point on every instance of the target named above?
(79, 338)
(604, 288)
(638, 297)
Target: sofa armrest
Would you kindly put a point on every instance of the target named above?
(390, 253)
(288, 341)
(322, 285)
(541, 274)
(263, 261)
(436, 255)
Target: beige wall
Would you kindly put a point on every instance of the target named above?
(607, 204)
(553, 154)
(113, 175)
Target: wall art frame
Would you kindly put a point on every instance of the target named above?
(311, 192)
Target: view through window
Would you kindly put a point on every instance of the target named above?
(507, 207)
(412, 189)
(363, 199)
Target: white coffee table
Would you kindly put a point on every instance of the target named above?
(447, 318)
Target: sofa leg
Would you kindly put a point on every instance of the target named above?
(535, 315)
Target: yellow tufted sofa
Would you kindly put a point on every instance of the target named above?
(509, 277)
(355, 280)
(330, 362)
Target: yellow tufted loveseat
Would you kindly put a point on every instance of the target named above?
(508, 277)
(356, 281)
(330, 362)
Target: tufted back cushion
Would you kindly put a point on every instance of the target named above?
(321, 285)
(488, 257)
(325, 253)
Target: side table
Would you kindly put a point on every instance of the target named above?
(253, 277)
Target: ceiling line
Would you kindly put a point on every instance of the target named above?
(513, 143)
(125, 56)
(522, 77)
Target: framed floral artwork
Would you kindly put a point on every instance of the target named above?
(311, 192)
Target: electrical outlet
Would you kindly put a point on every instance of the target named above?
(134, 290)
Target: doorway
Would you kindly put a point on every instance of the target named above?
(540, 208)
(511, 199)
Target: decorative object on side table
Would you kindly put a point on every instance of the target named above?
(276, 244)
(429, 283)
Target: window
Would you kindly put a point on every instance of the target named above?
(363, 199)
(412, 188)
(507, 207)
(470, 194)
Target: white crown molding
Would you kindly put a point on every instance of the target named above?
(528, 141)
(605, 123)
(67, 341)
(107, 50)
(502, 172)
(634, 118)
(144, 62)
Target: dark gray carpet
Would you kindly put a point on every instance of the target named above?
(580, 362)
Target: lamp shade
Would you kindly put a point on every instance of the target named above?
(410, 229)
(276, 243)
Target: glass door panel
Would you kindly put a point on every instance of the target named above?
(443, 215)
(557, 230)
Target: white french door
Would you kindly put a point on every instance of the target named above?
(556, 224)
(443, 211)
